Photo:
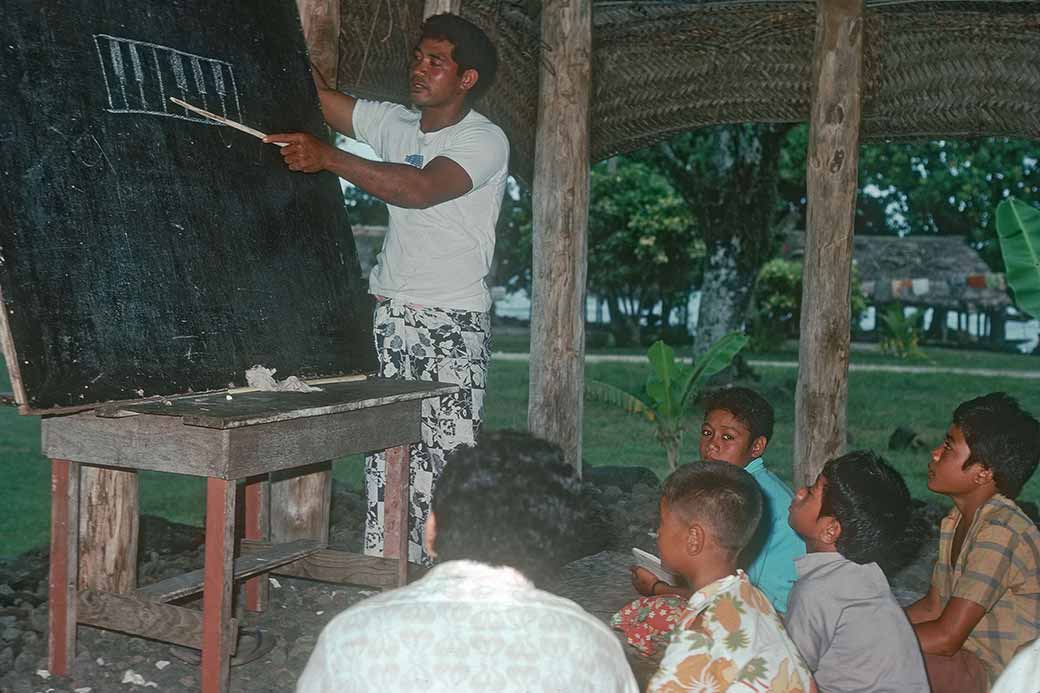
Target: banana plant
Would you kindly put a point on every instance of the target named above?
(1018, 227)
(668, 389)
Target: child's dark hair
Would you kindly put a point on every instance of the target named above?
(472, 50)
(1002, 437)
(749, 407)
(510, 500)
(717, 494)
(871, 501)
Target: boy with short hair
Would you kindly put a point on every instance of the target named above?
(841, 613)
(984, 601)
(729, 637)
(738, 423)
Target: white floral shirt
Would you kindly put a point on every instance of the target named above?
(464, 627)
(731, 639)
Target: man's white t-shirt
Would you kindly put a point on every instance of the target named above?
(441, 255)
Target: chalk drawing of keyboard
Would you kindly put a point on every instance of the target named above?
(140, 77)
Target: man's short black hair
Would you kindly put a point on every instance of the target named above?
(1002, 437)
(718, 495)
(510, 500)
(749, 407)
(871, 501)
(472, 50)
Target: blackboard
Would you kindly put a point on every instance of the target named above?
(147, 251)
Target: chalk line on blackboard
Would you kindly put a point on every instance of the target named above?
(115, 52)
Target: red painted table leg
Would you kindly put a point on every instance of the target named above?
(64, 561)
(395, 510)
(257, 514)
(217, 644)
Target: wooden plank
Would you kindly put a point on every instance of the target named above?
(290, 444)
(258, 528)
(157, 443)
(300, 502)
(823, 354)
(108, 529)
(256, 563)
(128, 614)
(396, 509)
(321, 24)
(215, 410)
(218, 583)
(64, 558)
(560, 199)
(342, 567)
(162, 443)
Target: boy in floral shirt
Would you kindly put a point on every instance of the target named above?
(729, 637)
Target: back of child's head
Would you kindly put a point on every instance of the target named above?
(1002, 437)
(746, 405)
(718, 496)
(510, 500)
(871, 501)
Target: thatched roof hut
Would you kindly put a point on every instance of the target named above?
(927, 271)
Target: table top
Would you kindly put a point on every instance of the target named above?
(222, 411)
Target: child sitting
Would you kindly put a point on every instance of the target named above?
(984, 601)
(841, 613)
(728, 637)
(738, 423)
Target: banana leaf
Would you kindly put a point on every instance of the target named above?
(714, 360)
(609, 394)
(1018, 227)
(665, 378)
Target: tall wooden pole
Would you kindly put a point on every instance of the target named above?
(823, 354)
(320, 21)
(433, 7)
(299, 501)
(561, 210)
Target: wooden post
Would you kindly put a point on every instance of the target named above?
(217, 642)
(396, 513)
(433, 7)
(823, 354)
(561, 200)
(108, 524)
(300, 500)
(64, 559)
(257, 511)
(320, 20)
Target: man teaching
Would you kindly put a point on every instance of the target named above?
(443, 173)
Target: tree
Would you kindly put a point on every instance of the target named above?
(728, 176)
(644, 250)
(929, 187)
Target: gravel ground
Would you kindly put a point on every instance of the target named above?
(624, 504)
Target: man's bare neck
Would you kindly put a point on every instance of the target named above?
(436, 118)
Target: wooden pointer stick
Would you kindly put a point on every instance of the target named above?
(224, 121)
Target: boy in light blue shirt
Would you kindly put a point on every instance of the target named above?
(738, 423)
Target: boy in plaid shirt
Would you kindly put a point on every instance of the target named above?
(984, 602)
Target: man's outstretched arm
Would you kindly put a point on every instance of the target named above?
(400, 185)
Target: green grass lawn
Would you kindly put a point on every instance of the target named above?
(878, 402)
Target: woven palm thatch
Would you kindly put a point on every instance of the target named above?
(931, 69)
(935, 271)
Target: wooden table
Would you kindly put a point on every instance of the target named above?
(245, 437)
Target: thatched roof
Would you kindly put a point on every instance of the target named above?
(939, 271)
(932, 69)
